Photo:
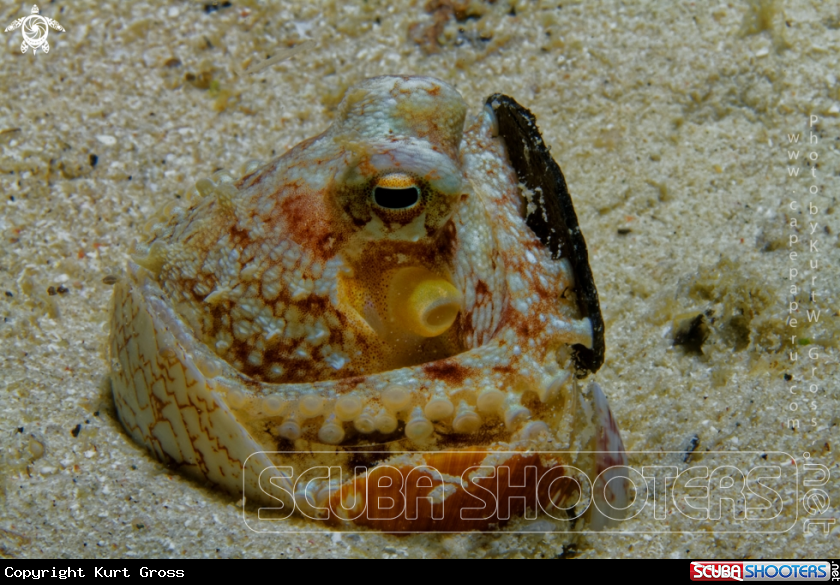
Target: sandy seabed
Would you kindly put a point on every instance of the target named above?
(672, 123)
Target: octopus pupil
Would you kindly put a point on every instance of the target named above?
(396, 198)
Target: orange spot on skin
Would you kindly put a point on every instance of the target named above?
(449, 371)
(309, 222)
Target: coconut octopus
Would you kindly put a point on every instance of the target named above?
(383, 327)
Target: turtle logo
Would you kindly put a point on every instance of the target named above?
(35, 29)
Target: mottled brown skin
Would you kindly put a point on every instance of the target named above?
(319, 221)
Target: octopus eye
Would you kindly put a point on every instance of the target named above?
(396, 191)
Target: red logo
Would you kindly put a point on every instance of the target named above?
(717, 571)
